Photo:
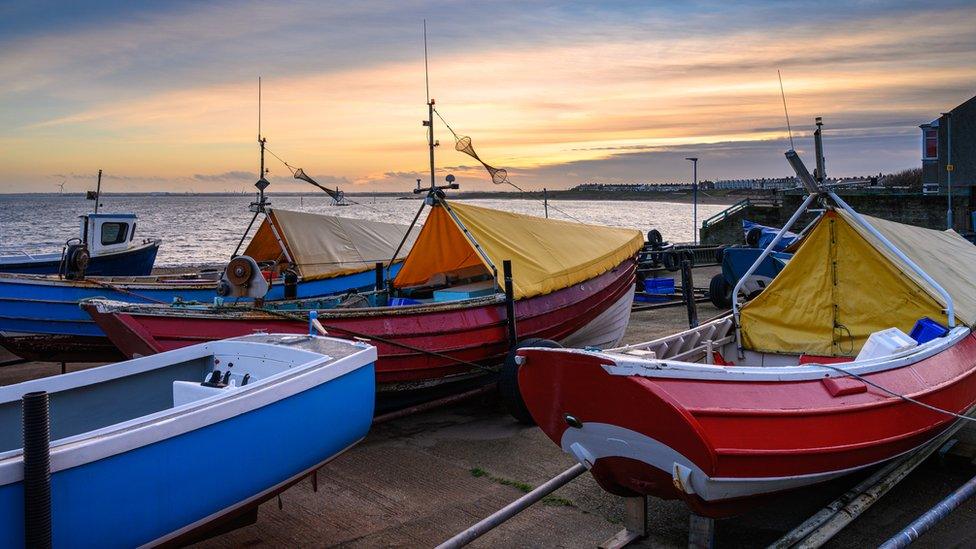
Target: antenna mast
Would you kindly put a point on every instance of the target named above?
(785, 110)
(262, 182)
(98, 190)
(430, 111)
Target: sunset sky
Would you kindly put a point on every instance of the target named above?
(163, 95)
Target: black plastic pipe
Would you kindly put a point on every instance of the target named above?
(37, 470)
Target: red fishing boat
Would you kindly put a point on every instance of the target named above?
(571, 282)
(811, 380)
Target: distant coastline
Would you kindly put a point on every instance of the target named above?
(721, 196)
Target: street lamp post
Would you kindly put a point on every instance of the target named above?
(694, 194)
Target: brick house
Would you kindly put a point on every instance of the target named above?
(935, 148)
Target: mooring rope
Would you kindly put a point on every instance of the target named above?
(896, 394)
(300, 318)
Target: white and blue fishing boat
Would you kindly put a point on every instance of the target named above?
(153, 450)
(106, 246)
(300, 255)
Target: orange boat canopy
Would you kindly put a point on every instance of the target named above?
(323, 246)
(546, 254)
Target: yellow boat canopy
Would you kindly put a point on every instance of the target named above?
(546, 254)
(323, 246)
(843, 284)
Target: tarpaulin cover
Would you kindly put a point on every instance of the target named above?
(546, 254)
(326, 246)
(842, 285)
(768, 234)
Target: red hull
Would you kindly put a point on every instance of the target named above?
(738, 441)
(472, 333)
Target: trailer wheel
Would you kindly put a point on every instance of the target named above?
(508, 380)
(720, 292)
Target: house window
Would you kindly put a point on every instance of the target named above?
(930, 143)
(114, 233)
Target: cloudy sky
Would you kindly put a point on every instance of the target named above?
(163, 95)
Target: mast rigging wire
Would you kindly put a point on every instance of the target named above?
(469, 150)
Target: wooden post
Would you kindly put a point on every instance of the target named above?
(510, 304)
(635, 524)
(380, 285)
(688, 292)
(701, 532)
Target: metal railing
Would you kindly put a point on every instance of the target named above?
(739, 206)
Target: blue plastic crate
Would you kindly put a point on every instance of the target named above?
(926, 330)
(659, 285)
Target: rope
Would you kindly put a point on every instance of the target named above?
(108, 286)
(292, 169)
(898, 395)
(520, 189)
(360, 335)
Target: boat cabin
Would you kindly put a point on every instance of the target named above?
(108, 233)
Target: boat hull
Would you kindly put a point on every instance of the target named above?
(172, 486)
(40, 318)
(137, 261)
(596, 311)
(725, 446)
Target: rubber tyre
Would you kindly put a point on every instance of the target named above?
(752, 237)
(671, 261)
(508, 387)
(720, 292)
(654, 238)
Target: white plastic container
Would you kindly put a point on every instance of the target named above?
(886, 343)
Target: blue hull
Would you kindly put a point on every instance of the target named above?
(137, 262)
(31, 307)
(154, 491)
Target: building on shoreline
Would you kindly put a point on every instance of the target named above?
(936, 153)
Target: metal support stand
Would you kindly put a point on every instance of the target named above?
(701, 532)
(635, 524)
(688, 292)
(64, 367)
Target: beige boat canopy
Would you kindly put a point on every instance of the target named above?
(546, 254)
(843, 284)
(322, 246)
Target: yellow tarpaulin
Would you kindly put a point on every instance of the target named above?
(546, 254)
(324, 246)
(838, 289)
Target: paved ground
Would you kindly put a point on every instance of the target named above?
(418, 480)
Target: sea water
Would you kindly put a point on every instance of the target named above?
(205, 229)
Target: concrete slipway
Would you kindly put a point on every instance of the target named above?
(418, 480)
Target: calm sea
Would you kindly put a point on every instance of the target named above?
(201, 230)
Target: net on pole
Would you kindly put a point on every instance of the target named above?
(498, 175)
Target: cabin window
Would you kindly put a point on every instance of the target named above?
(114, 233)
(132, 235)
(930, 143)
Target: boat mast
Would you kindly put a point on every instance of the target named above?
(260, 205)
(430, 112)
(98, 190)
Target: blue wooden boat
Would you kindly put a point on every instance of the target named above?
(151, 451)
(106, 247)
(324, 255)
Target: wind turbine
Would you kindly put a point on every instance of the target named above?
(61, 187)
